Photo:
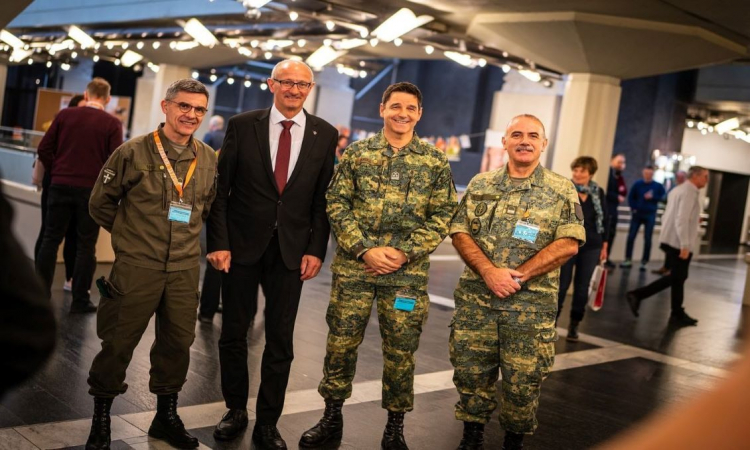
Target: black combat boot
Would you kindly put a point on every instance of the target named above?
(99, 437)
(573, 331)
(393, 436)
(168, 426)
(473, 436)
(513, 441)
(329, 428)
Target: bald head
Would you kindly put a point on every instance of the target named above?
(216, 123)
(291, 64)
(526, 116)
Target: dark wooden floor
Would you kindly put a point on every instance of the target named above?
(580, 406)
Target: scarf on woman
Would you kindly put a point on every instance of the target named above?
(593, 190)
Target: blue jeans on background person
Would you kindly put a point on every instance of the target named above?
(584, 262)
(636, 220)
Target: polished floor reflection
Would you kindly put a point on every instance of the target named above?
(622, 370)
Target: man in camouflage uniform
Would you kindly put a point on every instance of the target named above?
(514, 228)
(390, 205)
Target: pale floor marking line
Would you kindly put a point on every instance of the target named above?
(444, 258)
(132, 427)
(440, 300)
(719, 268)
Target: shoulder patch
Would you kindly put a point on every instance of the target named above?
(579, 211)
(108, 175)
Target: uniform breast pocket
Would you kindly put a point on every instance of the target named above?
(150, 192)
(367, 179)
(485, 214)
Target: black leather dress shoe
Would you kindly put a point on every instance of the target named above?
(232, 425)
(267, 437)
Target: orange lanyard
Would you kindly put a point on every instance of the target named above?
(178, 187)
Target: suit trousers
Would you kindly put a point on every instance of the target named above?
(139, 294)
(675, 280)
(281, 288)
(64, 204)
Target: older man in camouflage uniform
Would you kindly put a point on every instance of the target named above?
(514, 228)
(390, 205)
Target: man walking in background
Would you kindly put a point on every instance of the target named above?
(679, 231)
(74, 150)
(644, 198)
(617, 191)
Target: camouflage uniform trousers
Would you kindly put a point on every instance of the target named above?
(348, 314)
(518, 344)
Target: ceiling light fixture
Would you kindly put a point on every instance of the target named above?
(195, 74)
(213, 78)
(130, 57)
(402, 22)
(301, 43)
(255, 4)
(293, 15)
(461, 58)
(429, 49)
(348, 44)
(263, 86)
(323, 56)
(397, 42)
(230, 81)
(156, 45)
(330, 25)
(81, 37)
(531, 75)
(199, 32)
(248, 83)
(11, 39)
(727, 125)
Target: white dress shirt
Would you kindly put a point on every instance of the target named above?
(274, 133)
(679, 224)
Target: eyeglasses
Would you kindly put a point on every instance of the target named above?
(288, 84)
(186, 107)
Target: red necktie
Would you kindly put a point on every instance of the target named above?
(282, 155)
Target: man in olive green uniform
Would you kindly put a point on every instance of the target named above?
(514, 228)
(153, 195)
(390, 205)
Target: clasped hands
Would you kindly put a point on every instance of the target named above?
(383, 260)
(501, 282)
(309, 267)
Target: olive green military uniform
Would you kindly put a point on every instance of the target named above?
(156, 260)
(516, 334)
(382, 198)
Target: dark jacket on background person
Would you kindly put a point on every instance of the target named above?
(77, 144)
(639, 203)
(133, 187)
(27, 324)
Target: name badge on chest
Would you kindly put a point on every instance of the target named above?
(180, 212)
(526, 231)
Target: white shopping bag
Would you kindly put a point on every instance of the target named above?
(596, 288)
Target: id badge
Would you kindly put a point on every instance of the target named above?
(404, 303)
(526, 231)
(180, 212)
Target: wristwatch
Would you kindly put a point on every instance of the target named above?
(518, 280)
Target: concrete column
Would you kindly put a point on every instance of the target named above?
(333, 99)
(588, 119)
(3, 82)
(150, 90)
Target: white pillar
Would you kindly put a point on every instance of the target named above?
(150, 90)
(3, 81)
(588, 119)
(333, 99)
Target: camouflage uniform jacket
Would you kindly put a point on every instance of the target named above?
(379, 198)
(489, 212)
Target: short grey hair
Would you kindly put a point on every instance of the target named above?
(216, 121)
(186, 85)
(695, 171)
(528, 116)
(291, 61)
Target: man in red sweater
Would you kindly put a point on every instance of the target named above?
(75, 148)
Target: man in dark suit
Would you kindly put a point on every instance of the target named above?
(268, 227)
